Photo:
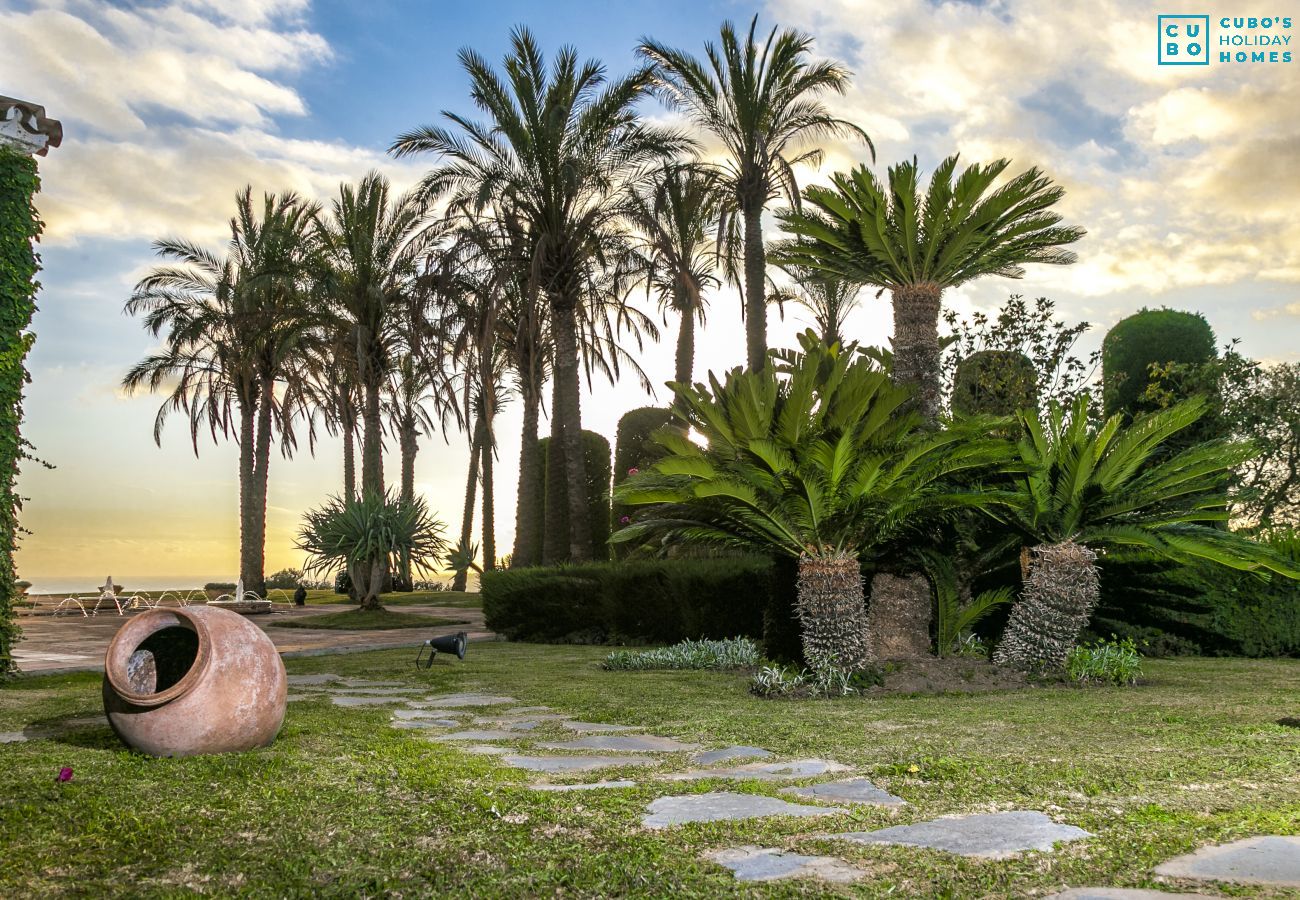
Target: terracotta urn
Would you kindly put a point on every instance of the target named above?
(184, 682)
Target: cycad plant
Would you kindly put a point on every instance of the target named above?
(814, 460)
(917, 244)
(1080, 488)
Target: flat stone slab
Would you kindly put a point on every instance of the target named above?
(366, 682)
(767, 864)
(778, 771)
(623, 743)
(319, 678)
(12, 737)
(478, 734)
(363, 700)
(1109, 893)
(375, 691)
(724, 806)
(530, 711)
(850, 790)
(294, 698)
(506, 722)
(425, 723)
(985, 835)
(424, 714)
(584, 786)
(454, 701)
(726, 754)
(1273, 860)
(554, 764)
(485, 749)
(597, 727)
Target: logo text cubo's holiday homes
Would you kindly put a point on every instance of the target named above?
(1195, 40)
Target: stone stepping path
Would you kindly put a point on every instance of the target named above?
(597, 727)
(778, 771)
(583, 786)
(727, 754)
(534, 719)
(363, 700)
(850, 790)
(1116, 894)
(624, 743)
(985, 835)
(376, 691)
(724, 806)
(478, 734)
(556, 764)
(425, 724)
(1272, 860)
(425, 714)
(312, 680)
(457, 701)
(764, 864)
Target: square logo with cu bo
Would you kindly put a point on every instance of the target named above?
(1183, 40)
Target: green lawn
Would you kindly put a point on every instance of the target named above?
(460, 599)
(342, 805)
(362, 620)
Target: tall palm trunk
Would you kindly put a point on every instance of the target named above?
(1059, 596)
(349, 461)
(685, 362)
(832, 611)
(408, 439)
(248, 553)
(567, 420)
(471, 488)
(916, 344)
(372, 460)
(755, 286)
(898, 617)
(527, 551)
(489, 513)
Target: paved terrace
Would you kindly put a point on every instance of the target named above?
(73, 643)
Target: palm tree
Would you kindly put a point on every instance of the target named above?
(236, 328)
(561, 148)
(762, 105)
(828, 297)
(1079, 488)
(919, 245)
(370, 246)
(823, 466)
(675, 214)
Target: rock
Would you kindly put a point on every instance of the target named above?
(12, 737)
(453, 701)
(709, 757)
(1106, 893)
(624, 743)
(365, 682)
(1273, 860)
(478, 734)
(851, 790)
(764, 864)
(375, 691)
(317, 679)
(777, 771)
(987, 835)
(425, 723)
(364, 700)
(423, 714)
(723, 806)
(575, 763)
(597, 727)
(586, 786)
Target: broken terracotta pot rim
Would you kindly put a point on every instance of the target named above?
(131, 635)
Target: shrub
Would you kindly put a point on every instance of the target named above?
(1115, 661)
(634, 449)
(647, 601)
(1149, 337)
(285, 580)
(735, 653)
(994, 382)
(554, 542)
(825, 679)
(219, 586)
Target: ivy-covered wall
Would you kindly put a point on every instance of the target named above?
(19, 229)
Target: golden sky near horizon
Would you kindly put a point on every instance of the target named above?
(1187, 179)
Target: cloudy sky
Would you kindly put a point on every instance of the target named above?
(1186, 178)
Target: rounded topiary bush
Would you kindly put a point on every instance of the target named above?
(1150, 337)
(994, 382)
(634, 450)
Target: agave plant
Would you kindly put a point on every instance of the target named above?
(369, 536)
(1079, 488)
(815, 459)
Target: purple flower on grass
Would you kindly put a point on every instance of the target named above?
(65, 774)
(625, 520)
(634, 471)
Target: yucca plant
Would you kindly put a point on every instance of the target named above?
(369, 536)
(1079, 488)
(814, 459)
(917, 244)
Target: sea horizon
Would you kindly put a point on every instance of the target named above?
(83, 584)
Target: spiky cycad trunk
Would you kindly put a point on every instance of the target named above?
(461, 579)
(1059, 597)
(832, 611)
(566, 429)
(898, 618)
(755, 286)
(916, 344)
(527, 552)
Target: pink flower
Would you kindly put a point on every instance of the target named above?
(634, 471)
(625, 520)
(65, 774)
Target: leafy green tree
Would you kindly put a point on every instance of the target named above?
(918, 244)
(560, 150)
(234, 329)
(1078, 488)
(828, 297)
(761, 101)
(815, 459)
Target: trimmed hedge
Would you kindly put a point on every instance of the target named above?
(595, 451)
(1146, 338)
(651, 601)
(633, 449)
(994, 382)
